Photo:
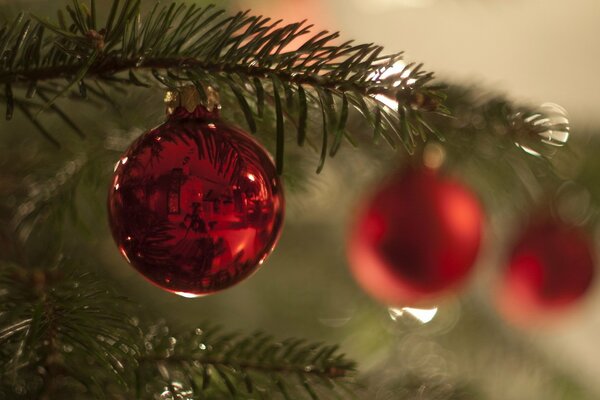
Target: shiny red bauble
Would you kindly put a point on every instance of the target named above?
(550, 269)
(195, 205)
(416, 238)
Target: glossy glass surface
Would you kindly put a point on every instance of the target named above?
(417, 237)
(195, 205)
(551, 268)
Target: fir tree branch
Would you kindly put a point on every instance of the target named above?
(248, 56)
(239, 365)
(488, 129)
(65, 332)
(61, 332)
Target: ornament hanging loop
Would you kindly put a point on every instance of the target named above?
(190, 97)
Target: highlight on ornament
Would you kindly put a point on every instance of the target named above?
(195, 205)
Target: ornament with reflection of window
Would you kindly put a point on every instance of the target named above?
(198, 207)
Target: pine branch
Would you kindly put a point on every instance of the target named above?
(57, 327)
(245, 366)
(52, 319)
(495, 142)
(65, 332)
(251, 57)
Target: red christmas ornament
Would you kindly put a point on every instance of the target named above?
(551, 268)
(195, 205)
(417, 237)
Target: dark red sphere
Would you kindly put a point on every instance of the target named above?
(195, 205)
(550, 269)
(416, 238)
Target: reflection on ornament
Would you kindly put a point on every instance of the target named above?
(198, 210)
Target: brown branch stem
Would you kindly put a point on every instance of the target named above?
(108, 66)
(331, 372)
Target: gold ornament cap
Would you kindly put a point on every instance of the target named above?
(189, 97)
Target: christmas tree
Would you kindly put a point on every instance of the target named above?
(435, 234)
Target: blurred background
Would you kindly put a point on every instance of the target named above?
(534, 51)
(541, 50)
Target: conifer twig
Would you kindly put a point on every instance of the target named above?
(250, 57)
(67, 333)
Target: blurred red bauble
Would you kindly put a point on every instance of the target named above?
(195, 205)
(550, 269)
(416, 238)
